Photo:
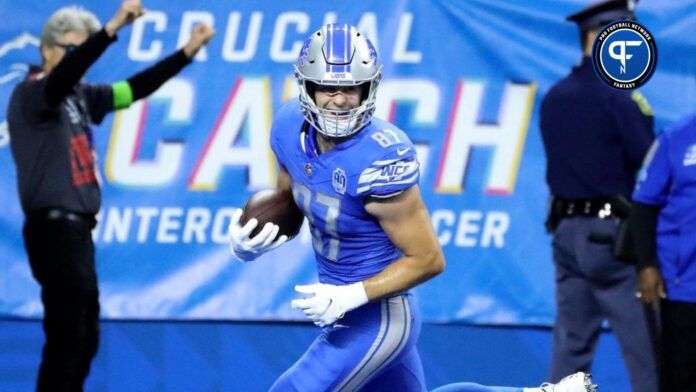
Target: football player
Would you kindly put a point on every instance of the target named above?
(355, 177)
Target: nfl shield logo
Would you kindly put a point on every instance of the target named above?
(339, 181)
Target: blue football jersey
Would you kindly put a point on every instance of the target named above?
(330, 188)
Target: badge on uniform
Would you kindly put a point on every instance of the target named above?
(690, 155)
(339, 181)
(308, 169)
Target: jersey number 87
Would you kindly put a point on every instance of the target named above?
(332, 206)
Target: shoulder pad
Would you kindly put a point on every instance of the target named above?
(391, 164)
(286, 128)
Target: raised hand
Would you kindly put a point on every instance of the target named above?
(129, 11)
(200, 36)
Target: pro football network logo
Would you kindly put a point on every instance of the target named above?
(624, 55)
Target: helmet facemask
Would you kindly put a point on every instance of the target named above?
(338, 123)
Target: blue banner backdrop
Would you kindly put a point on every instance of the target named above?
(463, 78)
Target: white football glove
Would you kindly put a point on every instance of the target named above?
(247, 249)
(329, 303)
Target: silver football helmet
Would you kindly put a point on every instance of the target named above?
(338, 55)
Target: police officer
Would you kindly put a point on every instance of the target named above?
(664, 223)
(595, 138)
(50, 116)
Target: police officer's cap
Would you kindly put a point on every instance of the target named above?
(602, 13)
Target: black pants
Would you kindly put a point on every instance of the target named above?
(61, 255)
(678, 366)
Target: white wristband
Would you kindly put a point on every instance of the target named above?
(356, 295)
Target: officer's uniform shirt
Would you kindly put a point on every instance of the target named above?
(330, 188)
(595, 136)
(668, 181)
(52, 145)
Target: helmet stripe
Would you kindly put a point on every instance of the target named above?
(338, 49)
(329, 47)
(339, 43)
(345, 43)
(348, 47)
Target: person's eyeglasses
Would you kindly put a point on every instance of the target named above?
(67, 47)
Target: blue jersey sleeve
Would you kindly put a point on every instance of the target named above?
(655, 176)
(276, 143)
(391, 174)
(285, 130)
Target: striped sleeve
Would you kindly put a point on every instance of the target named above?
(654, 179)
(390, 176)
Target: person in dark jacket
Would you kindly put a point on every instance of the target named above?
(50, 115)
(595, 138)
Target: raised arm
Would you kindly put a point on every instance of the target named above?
(67, 73)
(149, 80)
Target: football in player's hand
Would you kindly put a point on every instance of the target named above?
(276, 206)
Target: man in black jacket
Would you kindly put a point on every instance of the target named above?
(49, 118)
